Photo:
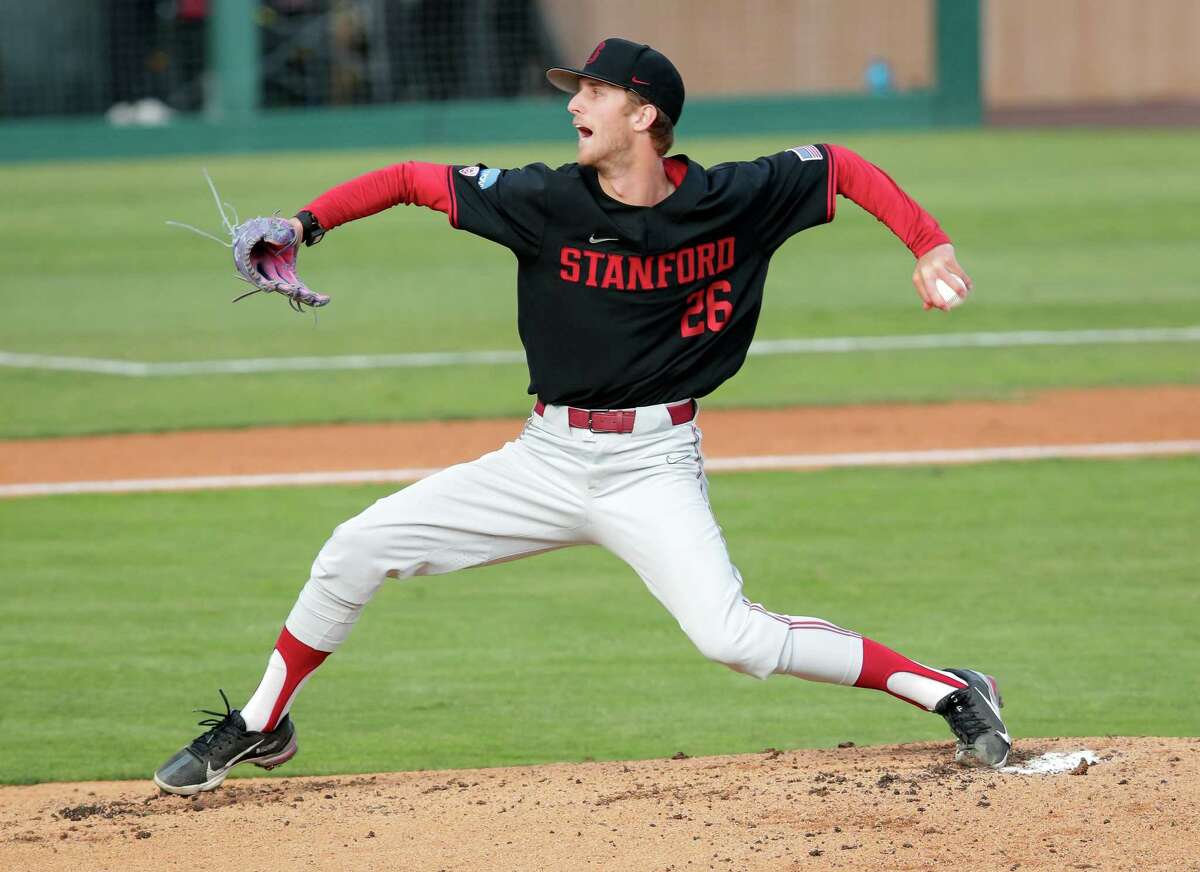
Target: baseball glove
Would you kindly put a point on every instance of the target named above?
(264, 253)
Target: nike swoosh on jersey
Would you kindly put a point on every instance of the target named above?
(677, 458)
(593, 240)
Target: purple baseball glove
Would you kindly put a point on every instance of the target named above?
(264, 252)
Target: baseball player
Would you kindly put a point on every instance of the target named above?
(639, 284)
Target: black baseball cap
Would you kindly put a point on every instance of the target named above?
(630, 65)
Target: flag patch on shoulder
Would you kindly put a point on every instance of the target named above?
(807, 152)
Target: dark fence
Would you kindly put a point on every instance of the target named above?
(120, 78)
(140, 61)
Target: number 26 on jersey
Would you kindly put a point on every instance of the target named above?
(707, 310)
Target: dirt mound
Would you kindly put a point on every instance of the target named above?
(899, 807)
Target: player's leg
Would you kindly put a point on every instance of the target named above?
(511, 503)
(658, 519)
(517, 501)
(659, 522)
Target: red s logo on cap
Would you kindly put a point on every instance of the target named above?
(595, 54)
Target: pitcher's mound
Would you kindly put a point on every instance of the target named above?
(1123, 804)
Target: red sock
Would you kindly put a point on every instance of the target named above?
(300, 660)
(919, 685)
(289, 665)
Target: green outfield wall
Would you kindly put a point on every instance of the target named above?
(234, 123)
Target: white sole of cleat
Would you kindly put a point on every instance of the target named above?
(219, 777)
(279, 759)
(193, 789)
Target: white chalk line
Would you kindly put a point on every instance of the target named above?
(761, 348)
(717, 464)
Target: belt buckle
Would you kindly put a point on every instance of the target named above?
(616, 423)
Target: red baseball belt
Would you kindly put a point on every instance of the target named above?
(618, 420)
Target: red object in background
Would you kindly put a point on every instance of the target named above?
(191, 9)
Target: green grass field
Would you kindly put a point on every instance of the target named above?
(1073, 580)
(1059, 230)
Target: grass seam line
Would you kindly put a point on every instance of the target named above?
(759, 348)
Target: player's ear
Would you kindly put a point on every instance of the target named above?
(645, 117)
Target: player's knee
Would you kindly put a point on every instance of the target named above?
(368, 549)
(350, 564)
(736, 653)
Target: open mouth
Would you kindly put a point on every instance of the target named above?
(584, 132)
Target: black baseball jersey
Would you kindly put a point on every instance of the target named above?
(621, 306)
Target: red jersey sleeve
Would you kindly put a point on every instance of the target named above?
(411, 182)
(867, 185)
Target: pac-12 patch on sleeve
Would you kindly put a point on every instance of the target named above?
(807, 152)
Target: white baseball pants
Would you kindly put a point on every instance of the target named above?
(641, 495)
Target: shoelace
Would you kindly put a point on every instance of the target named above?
(963, 718)
(221, 727)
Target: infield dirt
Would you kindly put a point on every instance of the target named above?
(1060, 417)
(893, 808)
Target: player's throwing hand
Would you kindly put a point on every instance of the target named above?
(939, 263)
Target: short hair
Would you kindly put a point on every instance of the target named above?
(662, 131)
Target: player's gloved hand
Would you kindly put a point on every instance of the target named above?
(938, 263)
(264, 253)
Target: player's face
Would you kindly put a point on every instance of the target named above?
(603, 119)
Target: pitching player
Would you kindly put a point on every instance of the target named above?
(639, 284)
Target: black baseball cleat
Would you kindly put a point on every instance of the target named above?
(973, 713)
(204, 763)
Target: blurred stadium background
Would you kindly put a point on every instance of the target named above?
(214, 71)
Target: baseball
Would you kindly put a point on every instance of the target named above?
(949, 294)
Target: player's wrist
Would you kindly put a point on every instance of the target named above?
(311, 230)
(930, 243)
